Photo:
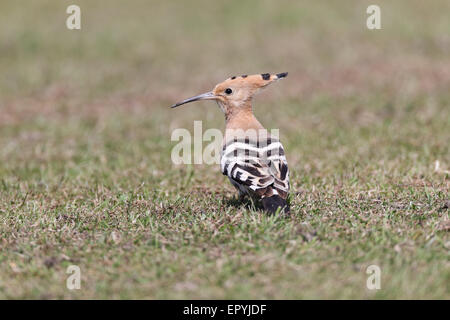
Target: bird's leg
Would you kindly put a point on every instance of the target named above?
(254, 200)
(241, 196)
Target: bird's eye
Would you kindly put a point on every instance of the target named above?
(228, 91)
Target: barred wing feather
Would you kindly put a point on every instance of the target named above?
(256, 167)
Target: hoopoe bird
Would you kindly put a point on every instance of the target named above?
(253, 160)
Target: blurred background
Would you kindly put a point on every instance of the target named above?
(364, 114)
(130, 61)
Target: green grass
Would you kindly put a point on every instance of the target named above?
(86, 176)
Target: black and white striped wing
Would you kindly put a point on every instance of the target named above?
(256, 167)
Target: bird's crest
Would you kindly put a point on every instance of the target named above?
(254, 81)
(236, 89)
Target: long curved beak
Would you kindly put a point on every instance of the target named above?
(204, 96)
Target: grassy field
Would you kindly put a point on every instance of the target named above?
(86, 176)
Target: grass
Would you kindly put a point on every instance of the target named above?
(86, 177)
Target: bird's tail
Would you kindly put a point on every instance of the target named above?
(271, 204)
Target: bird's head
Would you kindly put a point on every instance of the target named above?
(236, 92)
